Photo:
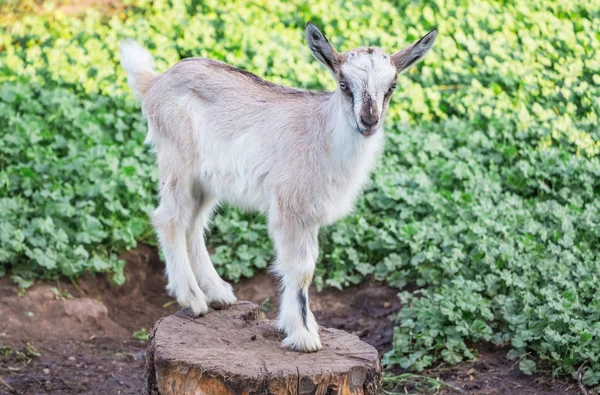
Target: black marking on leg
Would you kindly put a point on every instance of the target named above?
(303, 306)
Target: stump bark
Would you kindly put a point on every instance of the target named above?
(237, 351)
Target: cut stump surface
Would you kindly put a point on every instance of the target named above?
(237, 351)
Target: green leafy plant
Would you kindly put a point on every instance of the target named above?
(5, 351)
(486, 198)
(141, 335)
(399, 384)
(527, 366)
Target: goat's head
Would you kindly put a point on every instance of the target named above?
(366, 76)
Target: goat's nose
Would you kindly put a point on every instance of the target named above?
(369, 119)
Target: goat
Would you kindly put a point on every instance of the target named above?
(301, 157)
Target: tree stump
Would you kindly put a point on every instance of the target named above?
(237, 351)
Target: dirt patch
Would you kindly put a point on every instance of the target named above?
(85, 343)
(82, 331)
(142, 300)
(41, 313)
(493, 374)
(92, 306)
(99, 365)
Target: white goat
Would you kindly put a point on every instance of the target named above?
(225, 135)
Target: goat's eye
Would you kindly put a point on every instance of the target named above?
(343, 85)
(392, 88)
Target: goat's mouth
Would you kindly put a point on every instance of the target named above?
(367, 131)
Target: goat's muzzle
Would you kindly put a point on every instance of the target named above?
(369, 119)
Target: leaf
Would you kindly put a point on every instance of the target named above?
(591, 377)
(527, 366)
(141, 335)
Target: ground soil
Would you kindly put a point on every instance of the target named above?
(83, 333)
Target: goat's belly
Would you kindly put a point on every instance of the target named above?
(235, 189)
(229, 169)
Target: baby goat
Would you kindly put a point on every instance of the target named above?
(225, 135)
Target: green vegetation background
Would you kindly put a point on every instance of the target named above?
(486, 198)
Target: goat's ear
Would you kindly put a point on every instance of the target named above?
(410, 55)
(321, 48)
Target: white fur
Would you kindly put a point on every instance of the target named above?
(224, 136)
(136, 61)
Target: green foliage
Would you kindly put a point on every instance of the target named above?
(402, 383)
(141, 335)
(486, 198)
(76, 184)
(5, 351)
(527, 366)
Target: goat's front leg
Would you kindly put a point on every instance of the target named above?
(297, 251)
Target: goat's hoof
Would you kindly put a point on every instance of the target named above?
(221, 305)
(198, 309)
(195, 303)
(221, 297)
(303, 341)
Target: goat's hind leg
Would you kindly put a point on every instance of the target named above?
(219, 294)
(171, 219)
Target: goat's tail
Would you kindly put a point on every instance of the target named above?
(139, 65)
